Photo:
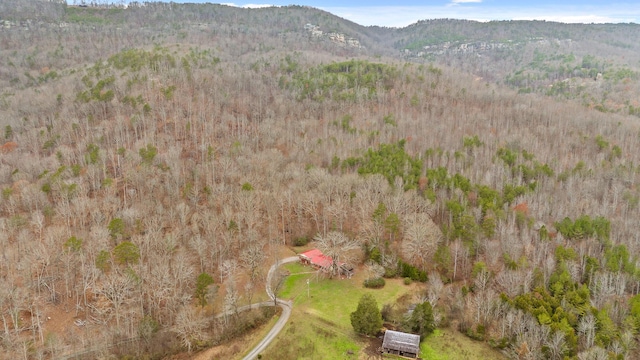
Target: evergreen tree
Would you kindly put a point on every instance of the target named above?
(126, 253)
(202, 284)
(366, 319)
(421, 321)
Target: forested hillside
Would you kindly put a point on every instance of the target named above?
(156, 160)
(596, 64)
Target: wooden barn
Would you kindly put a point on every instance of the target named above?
(399, 343)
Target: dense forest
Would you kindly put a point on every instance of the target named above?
(155, 160)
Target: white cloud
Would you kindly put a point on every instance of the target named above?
(465, 1)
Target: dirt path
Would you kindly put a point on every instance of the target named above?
(275, 330)
(279, 325)
(286, 311)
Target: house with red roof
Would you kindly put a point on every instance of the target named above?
(322, 262)
(316, 259)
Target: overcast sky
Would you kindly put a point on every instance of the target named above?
(401, 13)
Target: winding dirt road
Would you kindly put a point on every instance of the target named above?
(284, 317)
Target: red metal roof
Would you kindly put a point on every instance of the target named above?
(317, 258)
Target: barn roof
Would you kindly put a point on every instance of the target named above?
(311, 253)
(396, 340)
(317, 258)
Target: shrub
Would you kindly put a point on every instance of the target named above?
(412, 272)
(478, 334)
(386, 312)
(301, 241)
(390, 272)
(375, 255)
(407, 281)
(375, 283)
(501, 343)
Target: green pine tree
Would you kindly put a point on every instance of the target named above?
(421, 321)
(202, 284)
(366, 319)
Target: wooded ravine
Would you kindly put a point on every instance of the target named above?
(155, 160)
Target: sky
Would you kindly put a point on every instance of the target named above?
(401, 13)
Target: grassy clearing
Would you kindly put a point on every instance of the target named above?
(308, 338)
(445, 344)
(320, 325)
(335, 299)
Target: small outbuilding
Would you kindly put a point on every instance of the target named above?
(399, 343)
(346, 270)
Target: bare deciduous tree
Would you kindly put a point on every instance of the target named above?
(228, 269)
(117, 288)
(587, 327)
(434, 289)
(252, 258)
(556, 345)
(374, 269)
(190, 327)
(421, 239)
(337, 246)
(594, 353)
(231, 298)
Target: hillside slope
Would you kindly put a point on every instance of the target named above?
(155, 159)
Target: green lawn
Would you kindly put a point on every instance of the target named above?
(320, 325)
(445, 344)
(334, 299)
